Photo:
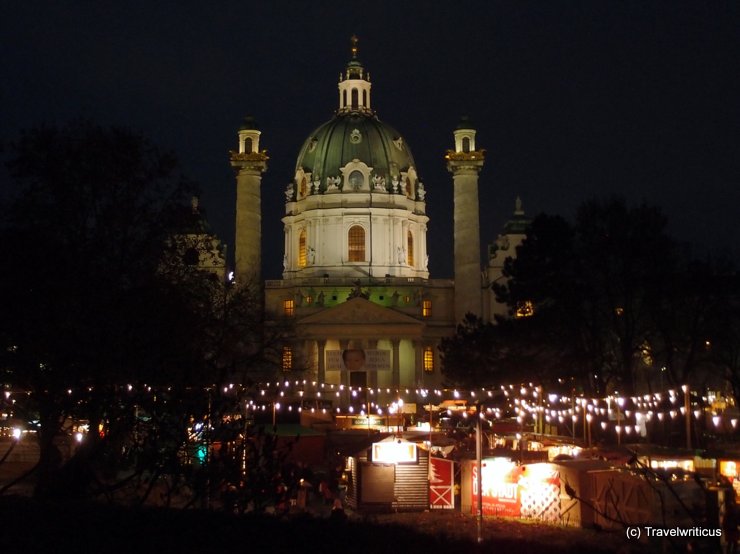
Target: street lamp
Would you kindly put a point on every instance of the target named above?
(479, 463)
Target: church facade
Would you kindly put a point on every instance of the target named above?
(355, 266)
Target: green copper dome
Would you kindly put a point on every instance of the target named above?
(351, 136)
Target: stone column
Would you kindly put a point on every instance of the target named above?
(418, 362)
(249, 167)
(345, 397)
(321, 373)
(396, 364)
(372, 380)
(465, 165)
(344, 374)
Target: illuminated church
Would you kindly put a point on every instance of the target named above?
(355, 265)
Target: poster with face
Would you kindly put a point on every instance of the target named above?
(358, 359)
(354, 359)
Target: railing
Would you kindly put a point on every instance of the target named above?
(353, 281)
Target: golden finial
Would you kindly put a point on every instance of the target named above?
(354, 40)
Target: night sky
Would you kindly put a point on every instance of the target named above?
(572, 100)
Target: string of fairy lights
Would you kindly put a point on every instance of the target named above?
(527, 404)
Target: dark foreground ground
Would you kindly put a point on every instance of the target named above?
(29, 526)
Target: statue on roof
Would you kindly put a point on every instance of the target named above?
(357, 292)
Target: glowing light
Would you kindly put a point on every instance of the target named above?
(394, 452)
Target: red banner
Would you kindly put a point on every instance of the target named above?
(441, 484)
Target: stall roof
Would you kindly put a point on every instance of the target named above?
(289, 430)
(583, 465)
(350, 442)
(657, 451)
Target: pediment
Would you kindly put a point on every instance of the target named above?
(359, 311)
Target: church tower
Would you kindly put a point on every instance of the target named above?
(465, 163)
(249, 163)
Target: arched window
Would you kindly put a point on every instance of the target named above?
(248, 145)
(356, 180)
(355, 99)
(364, 99)
(410, 249)
(356, 244)
(428, 359)
(191, 257)
(344, 98)
(302, 248)
(466, 144)
(303, 187)
(409, 188)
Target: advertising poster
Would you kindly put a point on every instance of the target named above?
(356, 359)
(509, 490)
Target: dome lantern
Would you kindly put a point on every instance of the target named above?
(354, 85)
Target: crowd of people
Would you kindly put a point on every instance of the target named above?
(298, 488)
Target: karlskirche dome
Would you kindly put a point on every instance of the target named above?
(355, 207)
(355, 135)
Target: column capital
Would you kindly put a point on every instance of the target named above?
(249, 161)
